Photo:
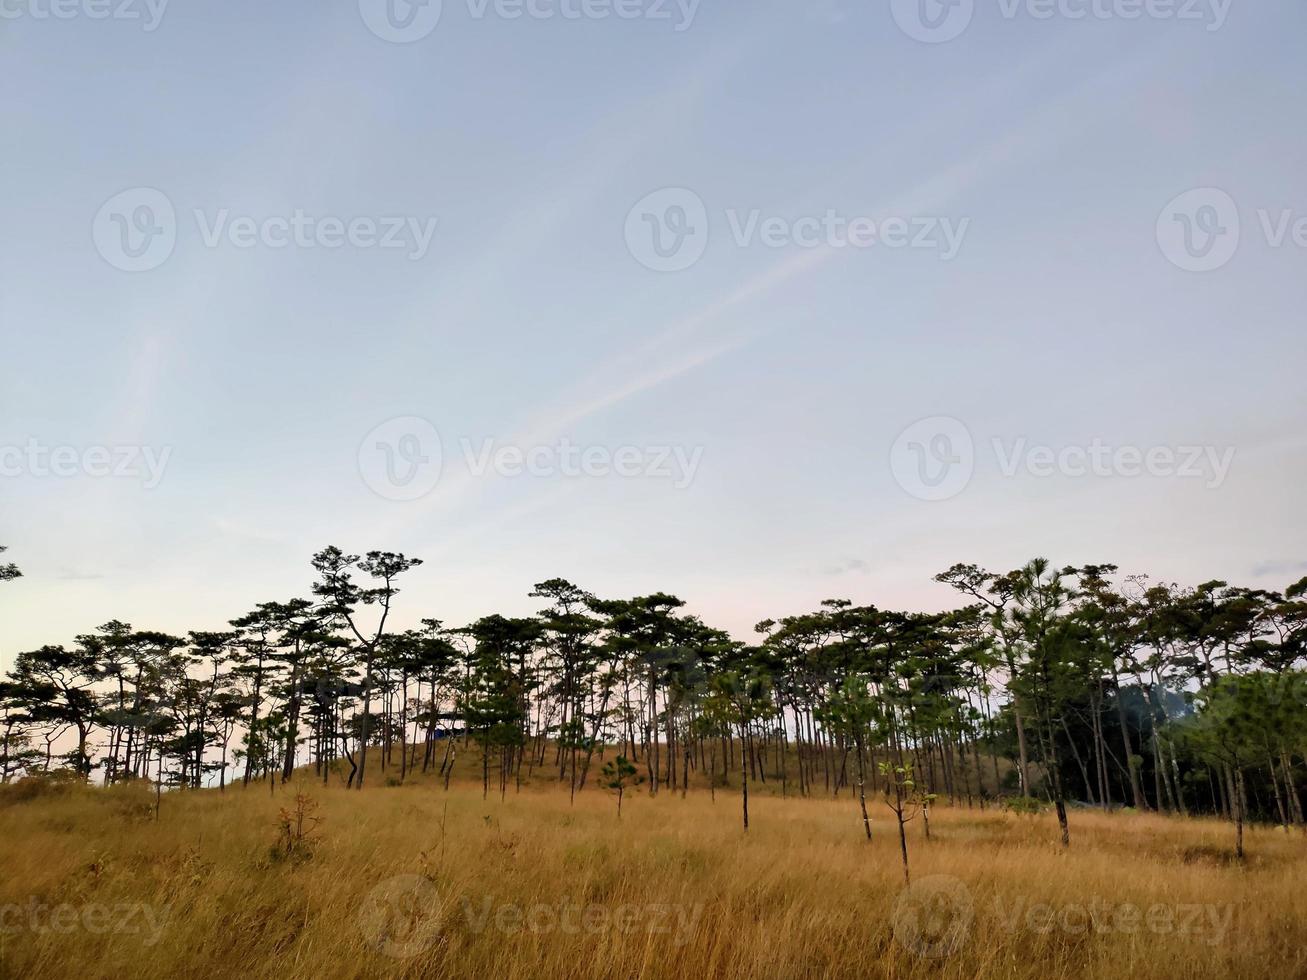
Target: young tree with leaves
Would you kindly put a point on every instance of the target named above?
(907, 800)
(617, 775)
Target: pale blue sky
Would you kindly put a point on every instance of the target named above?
(792, 371)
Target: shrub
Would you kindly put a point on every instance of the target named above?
(1027, 805)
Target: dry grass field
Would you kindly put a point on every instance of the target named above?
(415, 881)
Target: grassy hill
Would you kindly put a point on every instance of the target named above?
(416, 881)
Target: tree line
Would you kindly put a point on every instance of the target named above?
(1046, 686)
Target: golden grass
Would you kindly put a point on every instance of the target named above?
(414, 881)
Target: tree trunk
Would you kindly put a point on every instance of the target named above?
(1238, 812)
(862, 794)
(363, 728)
(1136, 789)
(744, 772)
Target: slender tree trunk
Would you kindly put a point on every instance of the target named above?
(862, 794)
(1239, 810)
(744, 791)
(1279, 800)
(364, 726)
(1136, 789)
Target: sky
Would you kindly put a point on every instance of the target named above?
(755, 303)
